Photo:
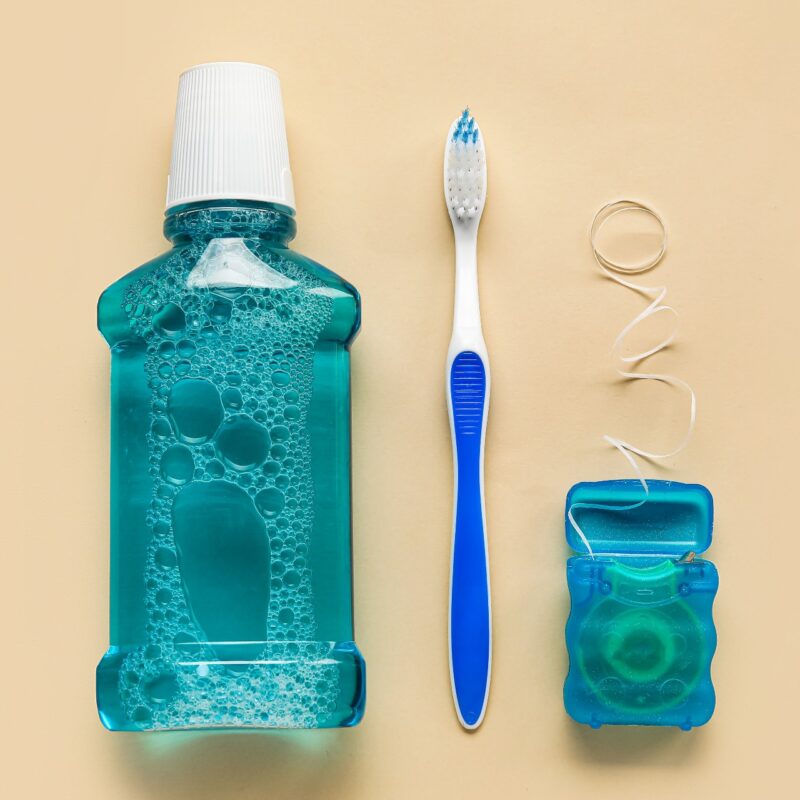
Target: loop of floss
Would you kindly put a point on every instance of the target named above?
(657, 294)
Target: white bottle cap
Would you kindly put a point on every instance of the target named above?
(230, 136)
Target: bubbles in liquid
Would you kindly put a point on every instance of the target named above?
(162, 688)
(232, 398)
(186, 348)
(220, 311)
(160, 428)
(195, 409)
(165, 558)
(280, 433)
(215, 468)
(142, 716)
(242, 443)
(170, 320)
(230, 372)
(271, 469)
(292, 578)
(286, 616)
(209, 333)
(177, 464)
(167, 350)
(270, 502)
(163, 596)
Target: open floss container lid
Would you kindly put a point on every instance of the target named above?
(619, 518)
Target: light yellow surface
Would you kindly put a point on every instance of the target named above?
(692, 106)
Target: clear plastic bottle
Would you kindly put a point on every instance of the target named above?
(230, 444)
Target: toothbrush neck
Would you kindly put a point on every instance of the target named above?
(467, 310)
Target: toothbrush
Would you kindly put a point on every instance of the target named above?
(467, 381)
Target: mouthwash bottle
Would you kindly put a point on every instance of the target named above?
(230, 443)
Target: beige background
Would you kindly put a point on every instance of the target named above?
(690, 106)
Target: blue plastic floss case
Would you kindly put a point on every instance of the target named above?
(640, 633)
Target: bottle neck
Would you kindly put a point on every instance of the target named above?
(218, 219)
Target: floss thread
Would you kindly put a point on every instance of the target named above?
(626, 364)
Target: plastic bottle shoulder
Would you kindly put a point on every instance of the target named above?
(224, 266)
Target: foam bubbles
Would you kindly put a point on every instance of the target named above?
(242, 443)
(169, 320)
(177, 464)
(196, 410)
(270, 502)
(231, 512)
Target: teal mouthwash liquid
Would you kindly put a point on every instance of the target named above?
(230, 443)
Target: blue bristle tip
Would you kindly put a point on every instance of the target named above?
(465, 129)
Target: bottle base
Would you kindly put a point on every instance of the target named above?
(244, 685)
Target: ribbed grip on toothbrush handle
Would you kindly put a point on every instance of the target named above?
(470, 616)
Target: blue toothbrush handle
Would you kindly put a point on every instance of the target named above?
(470, 611)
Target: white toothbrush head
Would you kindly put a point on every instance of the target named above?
(465, 172)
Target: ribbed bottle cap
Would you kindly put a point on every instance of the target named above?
(230, 136)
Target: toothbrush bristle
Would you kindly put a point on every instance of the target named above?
(465, 130)
(465, 170)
